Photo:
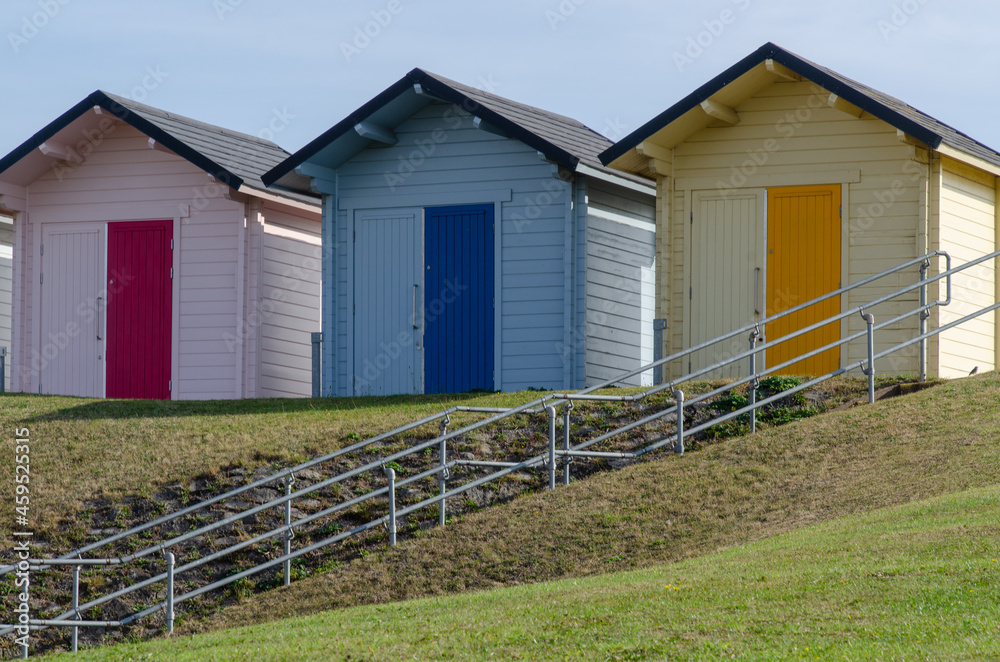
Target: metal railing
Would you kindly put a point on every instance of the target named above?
(442, 469)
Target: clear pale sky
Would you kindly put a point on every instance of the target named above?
(297, 67)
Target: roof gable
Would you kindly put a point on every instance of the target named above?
(560, 139)
(234, 158)
(887, 108)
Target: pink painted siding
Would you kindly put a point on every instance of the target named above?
(225, 265)
(124, 180)
(289, 296)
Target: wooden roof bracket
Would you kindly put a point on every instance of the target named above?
(720, 112)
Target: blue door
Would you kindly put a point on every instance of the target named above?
(458, 299)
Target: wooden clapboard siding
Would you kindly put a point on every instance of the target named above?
(289, 295)
(6, 289)
(967, 231)
(125, 180)
(881, 210)
(531, 224)
(620, 281)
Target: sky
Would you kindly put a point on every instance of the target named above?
(287, 71)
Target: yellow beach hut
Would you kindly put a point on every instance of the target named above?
(781, 180)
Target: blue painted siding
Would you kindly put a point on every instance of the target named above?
(620, 281)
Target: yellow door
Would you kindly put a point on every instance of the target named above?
(803, 262)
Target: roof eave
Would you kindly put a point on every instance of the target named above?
(100, 99)
(436, 89)
(770, 52)
(618, 180)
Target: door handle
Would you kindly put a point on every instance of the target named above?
(756, 290)
(99, 299)
(415, 306)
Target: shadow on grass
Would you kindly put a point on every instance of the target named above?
(124, 409)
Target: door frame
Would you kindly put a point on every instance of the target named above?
(690, 187)
(345, 210)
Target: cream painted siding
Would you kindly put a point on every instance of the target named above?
(6, 289)
(289, 312)
(967, 231)
(882, 182)
(125, 180)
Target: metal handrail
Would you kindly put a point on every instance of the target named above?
(548, 403)
(529, 407)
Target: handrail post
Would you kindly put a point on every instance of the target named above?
(289, 481)
(443, 476)
(566, 442)
(552, 445)
(924, 314)
(74, 639)
(679, 446)
(390, 473)
(170, 591)
(870, 320)
(753, 385)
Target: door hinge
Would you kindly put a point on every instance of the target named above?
(691, 293)
(170, 385)
(689, 366)
(41, 249)
(841, 212)
(354, 309)
(692, 217)
(41, 278)
(171, 244)
(171, 273)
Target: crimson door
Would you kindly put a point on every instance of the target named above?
(139, 309)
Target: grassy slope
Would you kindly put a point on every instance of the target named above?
(83, 449)
(730, 493)
(913, 582)
(932, 443)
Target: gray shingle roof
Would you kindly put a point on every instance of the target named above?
(571, 135)
(232, 157)
(561, 139)
(947, 134)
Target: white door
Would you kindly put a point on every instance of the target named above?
(69, 352)
(388, 302)
(726, 275)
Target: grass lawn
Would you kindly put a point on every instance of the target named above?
(731, 492)
(916, 582)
